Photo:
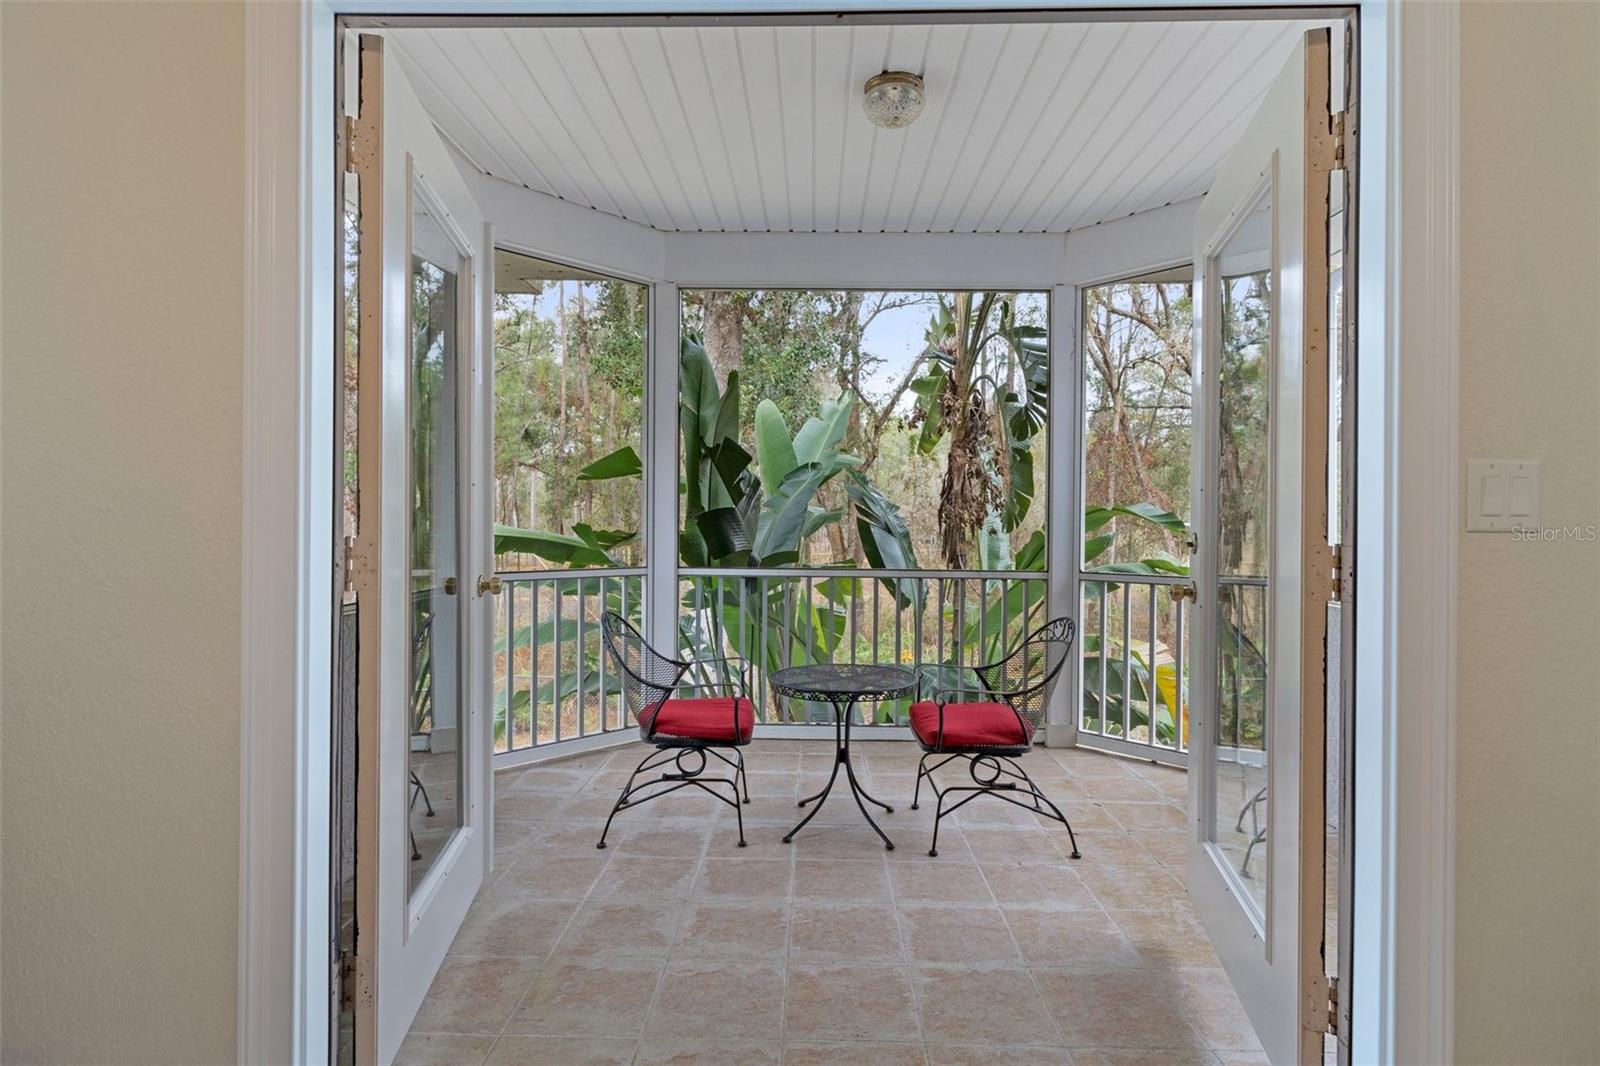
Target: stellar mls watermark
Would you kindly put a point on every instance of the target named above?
(1584, 534)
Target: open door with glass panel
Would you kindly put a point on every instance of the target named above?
(422, 840)
(1263, 565)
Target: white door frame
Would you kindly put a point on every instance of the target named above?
(1406, 428)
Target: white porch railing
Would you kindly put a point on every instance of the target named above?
(1135, 660)
(943, 621)
(552, 683)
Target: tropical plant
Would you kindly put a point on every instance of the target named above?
(988, 384)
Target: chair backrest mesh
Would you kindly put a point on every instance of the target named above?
(648, 677)
(1029, 673)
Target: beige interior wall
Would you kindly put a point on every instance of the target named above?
(122, 212)
(1528, 682)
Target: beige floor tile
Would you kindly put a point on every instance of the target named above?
(861, 881)
(1214, 1010)
(553, 877)
(511, 923)
(1081, 939)
(859, 1053)
(1016, 845)
(1112, 847)
(1117, 1008)
(588, 997)
(1055, 886)
(937, 882)
(1128, 787)
(639, 836)
(987, 811)
(697, 1051)
(577, 838)
(699, 997)
(752, 879)
(622, 928)
(561, 780)
(647, 876)
(673, 894)
(518, 1049)
(1167, 940)
(849, 1002)
(1141, 1057)
(845, 933)
(995, 1055)
(1083, 814)
(530, 807)
(1145, 887)
(989, 1005)
(474, 995)
(444, 1049)
(1145, 815)
(849, 840)
(970, 936)
(736, 930)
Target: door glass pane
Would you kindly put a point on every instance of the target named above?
(1243, 273)
(434, 788)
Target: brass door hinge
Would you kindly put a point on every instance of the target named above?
(349, 564)
(348, 131)
(347, 982)
(1337, 128)
(1333, 1006)
(1338, 572)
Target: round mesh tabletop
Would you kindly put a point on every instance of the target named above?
(830, 681)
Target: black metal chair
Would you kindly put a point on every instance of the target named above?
(677, 727)
(992, 722)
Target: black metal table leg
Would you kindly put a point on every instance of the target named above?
(841, 729)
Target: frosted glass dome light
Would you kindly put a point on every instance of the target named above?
(893, 99)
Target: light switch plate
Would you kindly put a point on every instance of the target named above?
(1502, 495)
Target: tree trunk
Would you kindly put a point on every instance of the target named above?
(724, 318)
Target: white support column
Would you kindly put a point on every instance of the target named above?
(1064, 503)
(661, 470)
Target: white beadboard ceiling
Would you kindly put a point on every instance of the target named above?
(1029, 128)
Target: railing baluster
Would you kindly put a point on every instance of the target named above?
(761, 639)
(1105, 657)
(919, 603)
(622, 594)
(1005, 594)
(877, 613)
(1127, 661)
(510, 593)
(1180, 673)
(1152, 697)
(555, 679)
(982, 650)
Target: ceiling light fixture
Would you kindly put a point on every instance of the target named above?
(893, 99)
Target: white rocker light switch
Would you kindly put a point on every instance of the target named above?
(1502, 495)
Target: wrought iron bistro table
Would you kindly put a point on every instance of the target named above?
(844, 685)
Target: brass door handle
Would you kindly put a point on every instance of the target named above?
(1183, 592)
(490, 585)
(450, 586)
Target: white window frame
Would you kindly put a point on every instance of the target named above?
(1407, 427)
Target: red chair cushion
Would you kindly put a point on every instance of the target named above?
(709, 718)
(970, 725)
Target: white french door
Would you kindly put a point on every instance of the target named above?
(422, 546)
(1263, 565)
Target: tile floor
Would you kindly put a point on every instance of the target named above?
(675, 946)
